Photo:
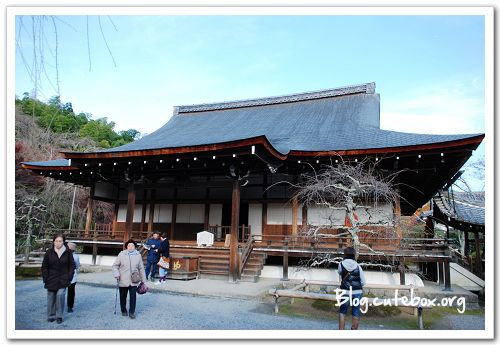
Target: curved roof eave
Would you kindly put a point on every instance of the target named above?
(473, 140)
(56, 165)
(259, 140)
(263, 140)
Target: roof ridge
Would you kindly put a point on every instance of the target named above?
(340, 91)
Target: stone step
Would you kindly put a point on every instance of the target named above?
(249, 278)
(251, 273)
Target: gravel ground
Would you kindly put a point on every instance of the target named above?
(469, 322)
(94, 309)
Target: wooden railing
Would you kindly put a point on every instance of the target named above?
(220, 232)
(388, 245)
(245, 253)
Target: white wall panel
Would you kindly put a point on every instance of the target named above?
(138, 213)
(190, 213)
(281, 214)
(163, 213)
(255, 218)
(215, 216)
(323, 215)
(122, 213)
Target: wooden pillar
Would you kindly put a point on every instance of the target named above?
(429, 233)
(429, 228)
(207, 207)
(467, 245)
(151, 213)
(264, 206)
(304, 216)
(447, 277)
(174, 215)
(479, 264)
(115, 220)
(235, 218)
(129, 223)
(264, 217)
(90, 205)
(94, 253)
(397, 215)
(174, 219)
(207, 217)
(143, 215)
(285, 259)
(295, 210)
(441, 272)
(402, 277)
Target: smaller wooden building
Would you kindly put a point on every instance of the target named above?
(464, 211)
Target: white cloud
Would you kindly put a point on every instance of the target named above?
(440, 109)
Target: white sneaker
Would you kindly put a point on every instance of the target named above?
(157, 283)
(163, 282)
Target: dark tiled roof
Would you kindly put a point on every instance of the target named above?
(462, 207)
(330, 120)
(53, 163)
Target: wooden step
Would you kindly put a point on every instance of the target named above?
(214, 267)
(213, 262)
(200, 255)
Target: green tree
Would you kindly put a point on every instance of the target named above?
(60, 118)
(101, 131)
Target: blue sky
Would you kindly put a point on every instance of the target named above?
(429, 70)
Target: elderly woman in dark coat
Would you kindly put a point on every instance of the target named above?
(57, 272)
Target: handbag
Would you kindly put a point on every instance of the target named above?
(135, 277)
(164, 263)
(142, 288)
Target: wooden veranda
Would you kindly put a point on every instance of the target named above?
(388, 251)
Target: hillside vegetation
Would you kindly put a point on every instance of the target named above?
(42, 130)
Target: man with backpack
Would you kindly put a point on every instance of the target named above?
(352, 280)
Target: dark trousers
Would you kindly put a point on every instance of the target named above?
(71, 295)
(123, 299)
(151, 267)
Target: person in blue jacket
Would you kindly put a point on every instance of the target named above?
(153, 246)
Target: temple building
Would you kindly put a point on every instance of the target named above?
(211, 167)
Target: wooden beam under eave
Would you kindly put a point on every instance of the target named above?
(234, 259)
(90, 206)
(129, 223)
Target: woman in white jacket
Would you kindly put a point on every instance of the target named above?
(128, 270)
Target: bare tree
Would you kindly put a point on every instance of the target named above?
(30, 212)
(354, 188)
